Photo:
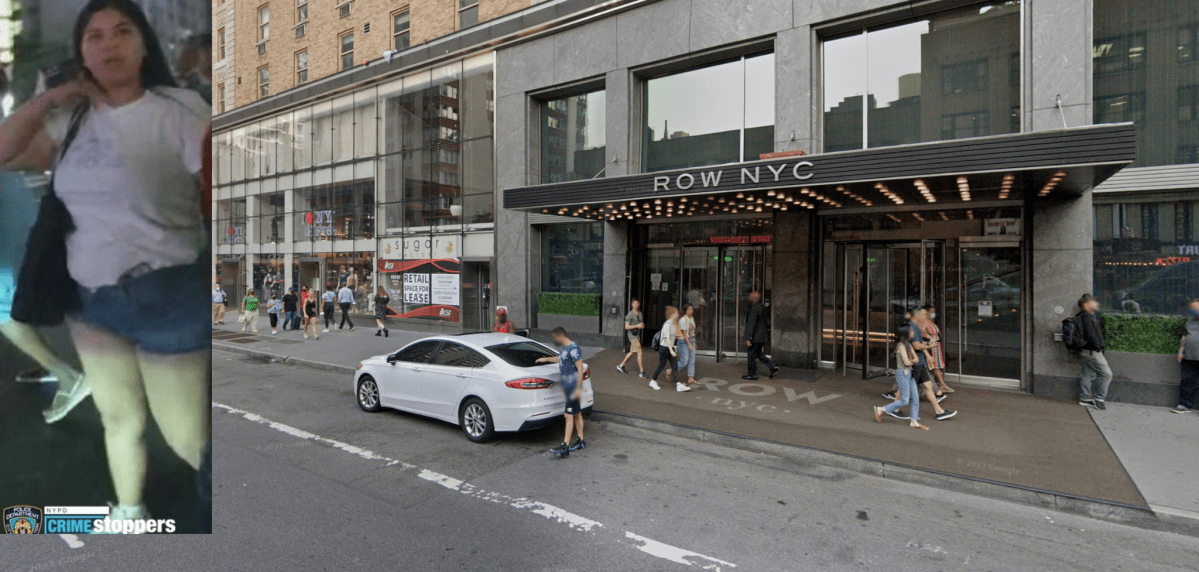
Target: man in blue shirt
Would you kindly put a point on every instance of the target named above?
(920, 373)
(570, 364)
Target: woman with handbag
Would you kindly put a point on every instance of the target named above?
(128, 176)
(249, 312)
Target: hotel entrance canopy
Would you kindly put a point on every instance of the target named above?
(947, 174)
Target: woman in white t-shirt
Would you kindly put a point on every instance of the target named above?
(130, 179)
(667, 352)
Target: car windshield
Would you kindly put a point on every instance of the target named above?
(521, 354)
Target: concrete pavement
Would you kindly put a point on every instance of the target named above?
(339, 351)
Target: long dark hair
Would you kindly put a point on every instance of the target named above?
(904, 333)
(155, 69)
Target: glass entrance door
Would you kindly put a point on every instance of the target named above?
(991, 279)
(716, 280)
(701, 273)
(875, 284)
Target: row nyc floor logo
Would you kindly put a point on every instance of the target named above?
(23, 519)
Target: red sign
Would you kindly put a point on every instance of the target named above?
(1167, 261)
(759, 239)
(778, 154)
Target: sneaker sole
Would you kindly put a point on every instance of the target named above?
(950, 416)
(75, 400)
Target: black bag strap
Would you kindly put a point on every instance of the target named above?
(76, 122)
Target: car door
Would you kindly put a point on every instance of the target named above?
(399, 382)
(446, 377)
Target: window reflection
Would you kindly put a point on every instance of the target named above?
(1145, 71)
(572, 137)
(1146, 259)
(722, 113)
(928, 80)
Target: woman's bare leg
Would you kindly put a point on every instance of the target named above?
(931, 395)
(179, 389)
(111, 365)
(941, 381)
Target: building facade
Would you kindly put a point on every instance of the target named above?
(853, 160)
(848, 160)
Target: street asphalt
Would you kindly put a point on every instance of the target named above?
(305, 480)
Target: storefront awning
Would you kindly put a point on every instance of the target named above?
(1060, 163)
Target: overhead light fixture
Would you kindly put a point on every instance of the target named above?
(924, 192)
(964, 189)
(887, 193)
(1006, 188)
(1053, 181)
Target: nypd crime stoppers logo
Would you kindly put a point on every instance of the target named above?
(23, 519)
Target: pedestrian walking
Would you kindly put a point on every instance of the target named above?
(273, 307)
(381, 302)
(345, 299)
(936, 354)
(570, 366)
(290, 306)
(687, 342)
(633, 325)
(755, 338)
(1188, 360)
(249, 312)
(502, 324)
(219, 298)
(133, 182)
(303, 296)
(328, 310)
(311, 315)
(1095, 375)
(905, 359)
(920, 372)
(668, 350)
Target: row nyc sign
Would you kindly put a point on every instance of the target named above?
(780, 173)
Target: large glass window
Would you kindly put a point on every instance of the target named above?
(1146, 71)
(572, 137)
(722, 113)
(1147, 254)
(572, 258)
(941, 77)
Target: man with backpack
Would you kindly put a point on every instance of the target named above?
(1082, 333)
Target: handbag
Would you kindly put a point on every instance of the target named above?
(242, 318)
(45, 291)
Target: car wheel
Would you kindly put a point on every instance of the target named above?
(475, 420)
(368, 394)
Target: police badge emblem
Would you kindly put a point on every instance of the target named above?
(23, 519)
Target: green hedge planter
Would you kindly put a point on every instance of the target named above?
(587, 305)
(1143, 333)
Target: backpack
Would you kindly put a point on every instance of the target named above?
(1072, 333)
(656, 343)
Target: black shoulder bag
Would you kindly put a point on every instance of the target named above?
(45, 291)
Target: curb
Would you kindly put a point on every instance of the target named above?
(1181, 522)
(1171, 521)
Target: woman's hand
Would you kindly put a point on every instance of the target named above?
(71, 93)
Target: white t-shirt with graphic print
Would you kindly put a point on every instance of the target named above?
(130, 182)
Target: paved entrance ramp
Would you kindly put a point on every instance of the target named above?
(1015, 439)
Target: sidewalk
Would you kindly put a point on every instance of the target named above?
(1016, 446)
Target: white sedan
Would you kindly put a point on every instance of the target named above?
(484, 383)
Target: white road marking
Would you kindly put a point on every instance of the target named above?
(574, 521)
(72, 540)
(678, 555)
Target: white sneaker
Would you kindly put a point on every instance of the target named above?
(273, 332)
(654, 384)
(325, 331)
(682, 387)
(65, 401)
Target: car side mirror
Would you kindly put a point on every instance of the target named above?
(392, 358)
(522, 333)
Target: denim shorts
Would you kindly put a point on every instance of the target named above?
(163, 311)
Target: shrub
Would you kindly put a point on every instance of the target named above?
(569, 304)
(1143, 333)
